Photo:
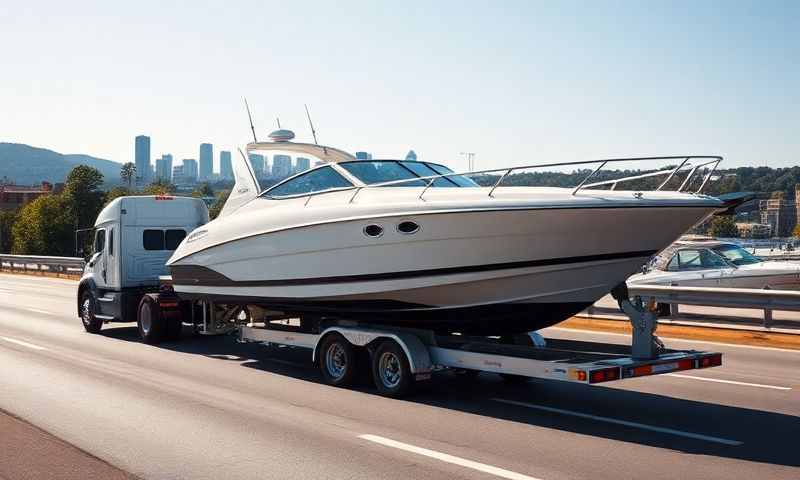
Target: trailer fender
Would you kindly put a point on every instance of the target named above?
(419, 359)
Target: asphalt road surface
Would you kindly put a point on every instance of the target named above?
(207, 407)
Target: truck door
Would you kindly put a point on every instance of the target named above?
(99, 259)
(111, 263)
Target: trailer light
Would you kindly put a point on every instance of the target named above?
(685, 364)
(604, 375)
(711, 361)
(641, 371)
(575, 374)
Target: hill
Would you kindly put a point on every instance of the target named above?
(27, 165)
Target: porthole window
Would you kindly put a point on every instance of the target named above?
(408, 227)
(373, 230)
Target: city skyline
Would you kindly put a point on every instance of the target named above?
(521, 82)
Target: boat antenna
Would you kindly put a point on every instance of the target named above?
(279, 122)
(252, 128)
(311, 124)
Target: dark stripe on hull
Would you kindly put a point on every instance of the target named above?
(493, 319)
(196, 275)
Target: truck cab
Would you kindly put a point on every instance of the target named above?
(133, 239)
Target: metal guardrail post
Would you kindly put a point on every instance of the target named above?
(767, 318)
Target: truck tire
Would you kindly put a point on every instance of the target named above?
(338, 361)
(91, 323)
(152, 325)
(391, 370)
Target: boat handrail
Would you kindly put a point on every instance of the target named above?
(715, 160)
(505, 172)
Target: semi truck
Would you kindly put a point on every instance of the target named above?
(125, 280)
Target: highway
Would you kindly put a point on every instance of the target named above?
(212, 408)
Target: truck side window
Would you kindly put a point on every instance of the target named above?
(99, 240)
(153, 239)
(173, 238)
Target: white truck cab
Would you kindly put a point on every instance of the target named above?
(133, 239)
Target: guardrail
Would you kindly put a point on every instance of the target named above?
(64, 265)
(765, 300)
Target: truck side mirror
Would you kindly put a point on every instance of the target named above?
(94, 259)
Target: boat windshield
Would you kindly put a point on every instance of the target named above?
(737, 255)
(380, 171)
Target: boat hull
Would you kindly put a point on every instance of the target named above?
(477, 272)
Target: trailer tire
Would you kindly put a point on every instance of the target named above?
(338, 361)
(91, 323)
(152, 325)
(391, 370)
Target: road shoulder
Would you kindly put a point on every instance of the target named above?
(27, 452)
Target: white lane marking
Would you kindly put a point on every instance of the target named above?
(41, 311)
(626, 423)
(463, 462)
(717, 380)
(702, 342)
(24, 344)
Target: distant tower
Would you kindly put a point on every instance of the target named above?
(281, 166)
(164, 167)
(190, 170)
(257, 161)
(301, 164)
(411, 155)
(225, 166)
(206, 161)
(142, 159)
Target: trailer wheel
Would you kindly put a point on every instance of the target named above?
(152, 324)
(391, 370)
(91, 323)
(338, 361)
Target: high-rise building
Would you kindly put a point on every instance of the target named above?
(363, 156)
(177, 175)
(225, 165)
(206, 161)
(142, 159)
(411, 155)
(281, 166)
(190, 170)
(257, 161)
(164, 168)
(301, 164)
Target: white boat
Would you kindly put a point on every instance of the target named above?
(706, 262)
(412, 243)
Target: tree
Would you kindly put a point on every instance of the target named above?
(7, 219)
(127, 173)
(203, 190)
(117, 192)
(82, 196)
(159, 187)
(724, 227)
(216, 207)
(43, 227)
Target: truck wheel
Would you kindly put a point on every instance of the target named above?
(91, 323)
(391, 370)
(338, 361)
(152, 324)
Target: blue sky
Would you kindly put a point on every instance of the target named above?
(515, 82)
